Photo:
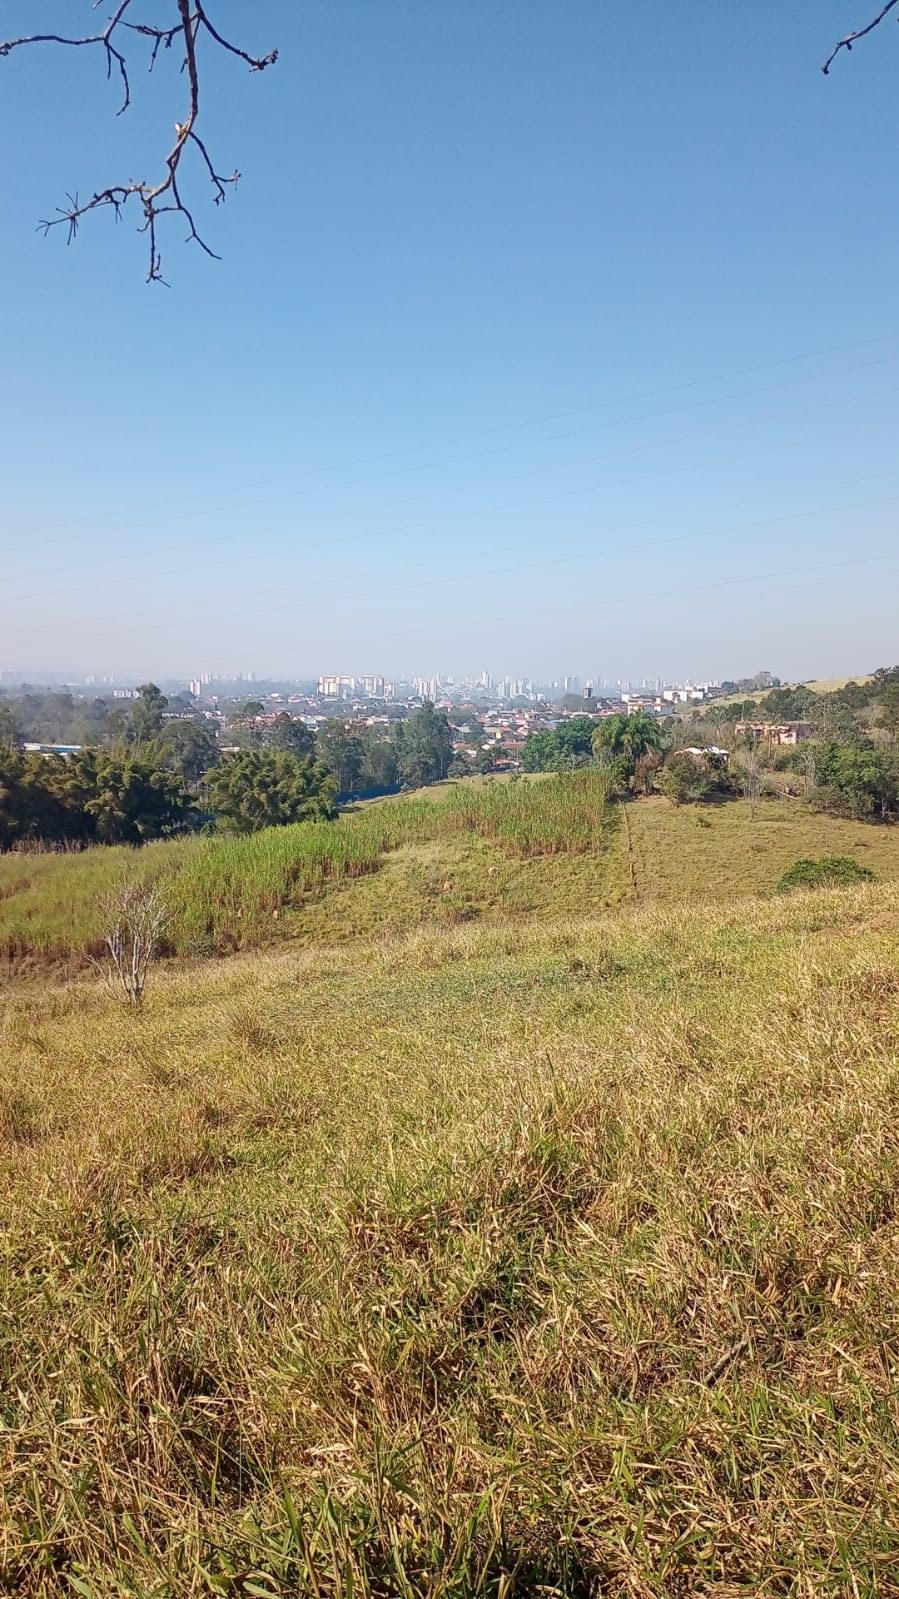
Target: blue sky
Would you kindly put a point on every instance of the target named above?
(546, 338)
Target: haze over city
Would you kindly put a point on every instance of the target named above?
(565, 345)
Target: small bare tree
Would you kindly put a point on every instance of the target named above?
(810, 769)
(135, 917)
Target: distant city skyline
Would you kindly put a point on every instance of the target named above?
(333, 684)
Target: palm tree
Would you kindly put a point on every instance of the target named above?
(642, 735)
(632, 736)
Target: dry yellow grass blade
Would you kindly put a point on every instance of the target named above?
(536, 1255)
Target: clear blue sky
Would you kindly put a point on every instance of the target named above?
(546, 338)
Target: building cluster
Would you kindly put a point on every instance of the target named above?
(497, 714)
(785, 734)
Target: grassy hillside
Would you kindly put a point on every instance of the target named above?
(459, 854)
(719, 851)
(544, 1256)
(820, 685)
(500, 853)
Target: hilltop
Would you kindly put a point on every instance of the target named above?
(511, 1215)
(819, 685)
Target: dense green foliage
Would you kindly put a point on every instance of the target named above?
(630, 736)
(187, 747)
(560, 748)
(94, 796)
(683, 779)
(854, 781)
(424, 747)
(688, 778)
(148, 780)
(541, 752)
(831, 871)
(362, 759)
(269, 788)
(289, 733)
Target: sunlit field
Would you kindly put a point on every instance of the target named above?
(557, 1256)
(488, 851)
(231, 892)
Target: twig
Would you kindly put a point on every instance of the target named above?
(851, 38)
(723, 1361)
(192, 19)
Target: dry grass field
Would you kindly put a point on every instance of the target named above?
(535, 1246)
(718, 852)
(494, 852)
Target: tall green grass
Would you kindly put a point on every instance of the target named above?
(563, 816)
(50, 903)
(230, 893)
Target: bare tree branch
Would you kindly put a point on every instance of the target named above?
(165, 197)
(255, 63)
(135, 919)
(851, 38)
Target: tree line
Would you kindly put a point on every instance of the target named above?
(164, 775)
(848, 766)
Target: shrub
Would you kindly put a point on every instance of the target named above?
(256, 789)
(831, 871)
(684, 780)
(136, 917)
(856, 782)
(645, 768)
(619, 771)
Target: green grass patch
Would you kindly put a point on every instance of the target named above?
(228, 893)
(719, 852)
(836, 871)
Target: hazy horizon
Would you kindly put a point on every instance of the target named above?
(547, 341)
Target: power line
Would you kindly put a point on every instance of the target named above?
(208, 496)
(373, 534)
(417, 526)
(553, 560)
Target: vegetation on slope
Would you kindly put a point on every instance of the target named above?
(500, 852)
(230, 892)
(720, 852)
(544, 1256)
(829, 870)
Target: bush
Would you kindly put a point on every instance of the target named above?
(684, 780)
(831, 871)
(857, 782)
(619, 771)
(256, 789)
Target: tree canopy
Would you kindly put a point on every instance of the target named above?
(558, 749)
(631, 736)
(424, 747)
(94, 796)
(253, 789)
